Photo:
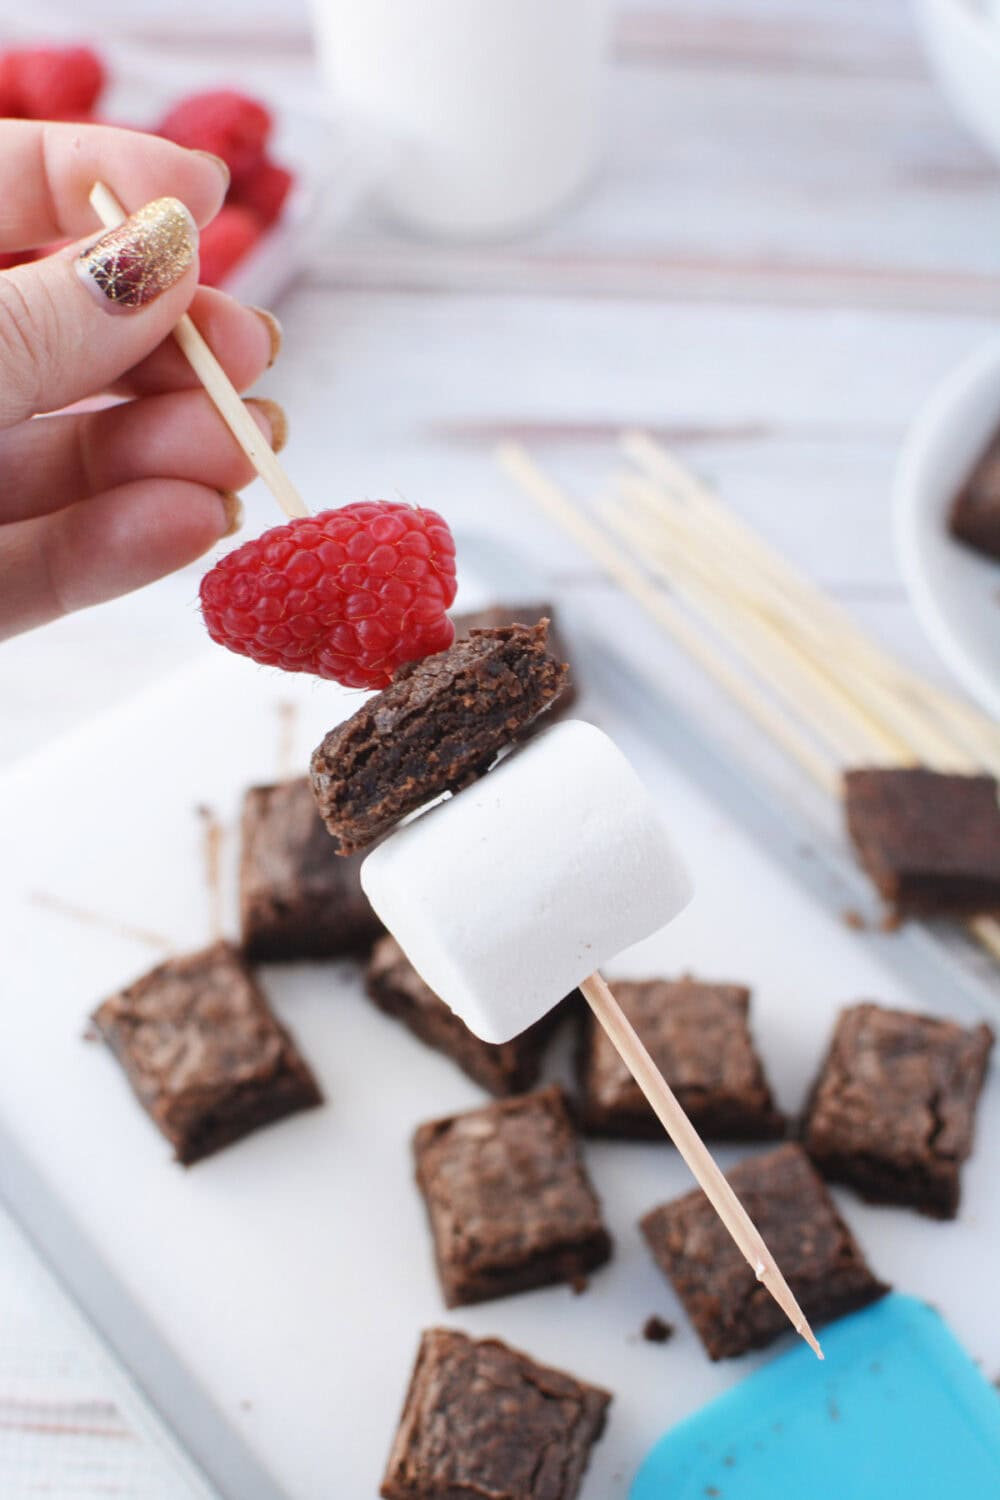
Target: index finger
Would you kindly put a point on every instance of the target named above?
(49, 169)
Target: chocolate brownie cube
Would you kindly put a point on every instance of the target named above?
(206, 1058)
(892, 1113)
(508, 1198)
(298, 898)
(698, 1035)
(820, 1259)
(975, 515)
(438, 727)
(930, 840)
(483, 1421)
(502, 1069)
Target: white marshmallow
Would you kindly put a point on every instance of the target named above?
(507, 895)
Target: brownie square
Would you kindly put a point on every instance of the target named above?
(206, 1058)
(975, 515)
(298, 897)
(816, 1252)
(439, 726)
(699, 1037)
(929, 840)
(502, 1069)
(508, 1198)
(483, 1421)
(525, 614)
(893, 1110)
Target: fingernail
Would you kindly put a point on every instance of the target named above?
(235, 514)
(273, 331)
(223, 166)
(130, 266)
(276, 420)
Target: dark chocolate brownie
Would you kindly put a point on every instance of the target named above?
(975, 515)
(508, 1198)
(525, 614)
(893, 1110)
(699, 1038)
(203, 1053)
(929, 840)
(297, 898)
(813, 1247)
(438, 726)
(484, 1422)
(507, 1068)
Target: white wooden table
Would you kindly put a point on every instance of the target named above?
(789, 243)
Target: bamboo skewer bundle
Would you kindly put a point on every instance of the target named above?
(822, 690)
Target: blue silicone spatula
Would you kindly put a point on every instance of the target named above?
(898, 1410)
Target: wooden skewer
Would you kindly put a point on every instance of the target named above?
(790, 672)
(220, 388)
(885, 713)
(818, 618)
(694, 1151)
(621, 567)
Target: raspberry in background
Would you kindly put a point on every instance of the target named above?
(224, 241)
(263, 191)
(223, 121)
(50, 83)
(348, 594)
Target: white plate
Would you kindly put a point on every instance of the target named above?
(955, 591)
(269, 1299)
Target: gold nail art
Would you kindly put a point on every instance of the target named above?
(130, 266)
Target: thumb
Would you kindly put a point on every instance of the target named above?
(59, 338)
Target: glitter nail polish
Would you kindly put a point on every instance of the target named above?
(130, 266)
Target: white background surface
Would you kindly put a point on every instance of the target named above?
(789, 244)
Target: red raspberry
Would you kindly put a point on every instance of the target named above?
(264, 191)
(10, 103)
(51, 83)
(231, 125)
(349, 594)
(224, 241)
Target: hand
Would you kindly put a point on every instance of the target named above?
(95, 504)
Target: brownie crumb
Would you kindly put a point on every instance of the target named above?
(656, 1331)
(854, 920)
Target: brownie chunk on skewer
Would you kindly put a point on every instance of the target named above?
(508, 1198)
(892, 1112)
(930, 840)
(975, 515)
(498, 615)
(206, 1058)
(821, 1260)
(298, 899)
(437, 727)
(482, 1419)
(502, 1068)
(699, 1037)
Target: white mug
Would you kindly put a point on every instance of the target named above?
(491, 109)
